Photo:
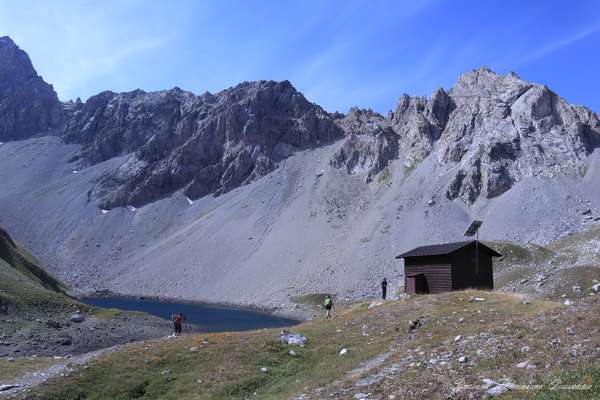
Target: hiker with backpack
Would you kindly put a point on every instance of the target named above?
(328, 305)
(178, 320)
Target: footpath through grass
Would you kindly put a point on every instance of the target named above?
(227, 365)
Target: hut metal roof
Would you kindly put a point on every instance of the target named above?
(444, 249)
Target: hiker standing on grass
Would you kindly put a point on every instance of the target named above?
(178, 320)
(328, 304)
(384, 288)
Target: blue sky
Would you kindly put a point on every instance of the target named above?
(338, 53)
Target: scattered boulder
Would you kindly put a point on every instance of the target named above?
(359, 396)
(463, 359)
(264, 370)
(193, 349)
(577, 289)
(77, 318)
(65, 341)
(8, 387)
(495, 389)
(596, 287)
(376, 303)
(525, 349)
(413, 325)
(292, 338)
(523, 364)
(457, 338)
(292, 353)
(343, 352)
(568, 302)
(53, 324)
(473, 298)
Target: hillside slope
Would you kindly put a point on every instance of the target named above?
(23, 283)
(460, 344)
(37, 317)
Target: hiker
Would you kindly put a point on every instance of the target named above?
(328, 304)
(384, 288)
(178, 320)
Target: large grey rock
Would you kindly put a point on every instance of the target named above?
(288, 337)
(28, 105)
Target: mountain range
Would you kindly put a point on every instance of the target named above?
(254, 195)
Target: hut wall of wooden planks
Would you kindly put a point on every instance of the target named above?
(449, 266)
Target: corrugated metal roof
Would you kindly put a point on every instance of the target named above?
(443, 249)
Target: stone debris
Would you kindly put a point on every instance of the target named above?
(495, 389)
(288, 337)
(375, 303)
(413, 325)
(6, 387)
(77, 318)
(343, 352)
(473, 298)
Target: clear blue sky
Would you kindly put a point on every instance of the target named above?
(338, 53)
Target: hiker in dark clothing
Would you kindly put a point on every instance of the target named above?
(384, 288)
(328, 305)
(178, 320)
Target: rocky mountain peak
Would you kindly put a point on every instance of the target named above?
(203, 144)
(14, 62)
(28, 105)
(489, 130)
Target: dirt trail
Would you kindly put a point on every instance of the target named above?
(65, 365)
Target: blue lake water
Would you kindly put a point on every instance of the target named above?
(207, 318)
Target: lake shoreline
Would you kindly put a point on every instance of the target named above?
(297, 314)
(206, 317)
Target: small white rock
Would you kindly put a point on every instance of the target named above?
(463, 359)
(343, 352)
(457, 338)
(264, 370)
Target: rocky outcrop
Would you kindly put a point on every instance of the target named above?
(370, 144)
(28, 105)
(504, 129)
(420, 122)
(202, 144)
(489, 130)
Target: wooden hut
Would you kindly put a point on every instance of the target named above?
(450, 266)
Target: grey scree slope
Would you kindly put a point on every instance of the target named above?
(324, 209)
